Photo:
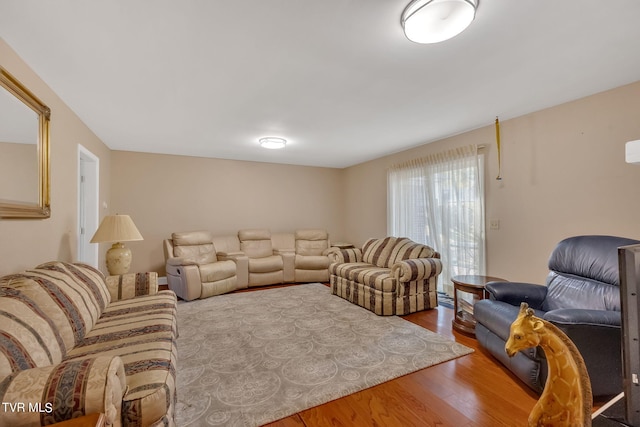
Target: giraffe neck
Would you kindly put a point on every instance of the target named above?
(559, 357)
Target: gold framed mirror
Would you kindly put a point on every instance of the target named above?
(24, 152)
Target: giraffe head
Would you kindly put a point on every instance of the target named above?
(524, 331)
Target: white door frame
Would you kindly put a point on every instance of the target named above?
(88, 205)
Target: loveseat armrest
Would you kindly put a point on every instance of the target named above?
(73, 388)
(515, 293)
(224, 256)
(288, 263)
(242, 266)
(410, 270)
(575, 316)
(131, 285)
(342, 256)
(177, 261)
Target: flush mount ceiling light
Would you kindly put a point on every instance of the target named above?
(272, 142)
(433, 21)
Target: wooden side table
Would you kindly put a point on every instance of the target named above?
(467, 290)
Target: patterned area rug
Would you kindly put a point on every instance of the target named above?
(250, 358)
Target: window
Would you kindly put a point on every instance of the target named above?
(439, 201)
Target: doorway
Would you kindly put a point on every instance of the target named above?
(88, 205)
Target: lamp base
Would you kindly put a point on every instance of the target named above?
(118, 259)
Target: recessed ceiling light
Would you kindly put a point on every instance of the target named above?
(272, 142)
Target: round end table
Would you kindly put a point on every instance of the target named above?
(467, 290)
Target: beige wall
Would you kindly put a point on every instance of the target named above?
(564, 174)
(165, 193)
(26, 243)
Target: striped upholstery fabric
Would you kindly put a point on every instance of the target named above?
(46, 312)
(132, 285)
(390, 276)
(386, 252)
(71, 345)
(66, 390)
(342, 256)
(142, 331)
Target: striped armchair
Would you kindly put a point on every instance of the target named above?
(390, 276)
(74, 342)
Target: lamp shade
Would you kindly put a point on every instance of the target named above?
(433, 21)
(116, 228)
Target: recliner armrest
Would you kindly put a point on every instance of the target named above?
(180, 261)
(184, 280)
(284, 251)
(288, 260)
(515, 293)
(229, 255)
(242, 266)
(575, 316)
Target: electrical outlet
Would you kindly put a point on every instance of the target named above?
(494, 224)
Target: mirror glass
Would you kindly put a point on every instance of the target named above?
(24, 152)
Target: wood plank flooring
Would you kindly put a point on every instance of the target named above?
(470, 391)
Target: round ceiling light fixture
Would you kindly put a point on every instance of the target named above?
(433, 21)
(272, 142)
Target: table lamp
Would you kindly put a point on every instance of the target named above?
(118, 229)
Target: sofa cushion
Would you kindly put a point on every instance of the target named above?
(194, 247)
(311, 247)
(45, 312)
(217, 271)
(378, 251)
(584, 273)
(408, 249)
(311, 242)
(28, 336)
(142, 331)
(367, 275)
(311, 234)
(386, 252)
(312, 262)
(190, 238)
(266, 264)
(344, 270)
(256, 243)
(376, 278)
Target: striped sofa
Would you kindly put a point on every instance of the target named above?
(390, 276)
(73, 342)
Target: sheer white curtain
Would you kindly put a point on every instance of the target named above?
(438, 200)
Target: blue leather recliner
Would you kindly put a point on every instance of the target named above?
(581, 297)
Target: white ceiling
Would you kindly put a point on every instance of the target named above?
(337, 78)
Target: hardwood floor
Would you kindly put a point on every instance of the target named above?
(470, 391)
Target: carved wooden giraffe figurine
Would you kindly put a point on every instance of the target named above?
(566, 400)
